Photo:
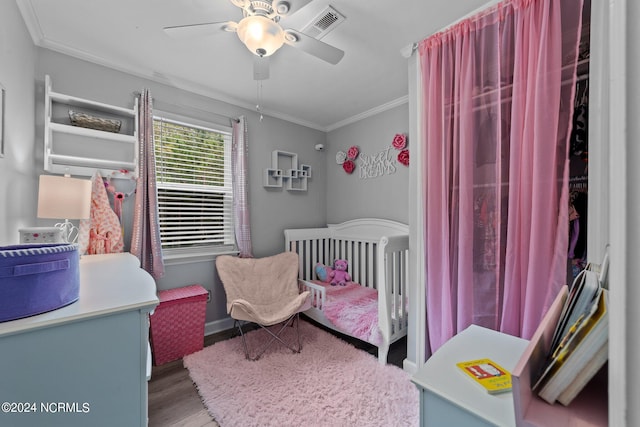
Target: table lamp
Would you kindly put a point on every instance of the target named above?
(63, 197)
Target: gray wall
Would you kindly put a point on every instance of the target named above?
(17, 167)
(332, 195)
(271, 210)
(351, 196)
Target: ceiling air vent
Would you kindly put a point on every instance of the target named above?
(323, 23)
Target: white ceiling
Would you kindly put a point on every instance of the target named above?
(127, 35)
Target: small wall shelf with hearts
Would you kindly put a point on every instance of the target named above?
(286, 172)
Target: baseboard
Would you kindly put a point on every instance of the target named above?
(216, 326)
(409, 366)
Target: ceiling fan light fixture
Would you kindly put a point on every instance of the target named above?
(261, 35)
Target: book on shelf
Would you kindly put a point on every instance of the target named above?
(580, 381)
(487, 373)
(582, 294)
(579, 347)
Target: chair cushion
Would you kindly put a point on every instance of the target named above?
(262, 290)
(270, 314)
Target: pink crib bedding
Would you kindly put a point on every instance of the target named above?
(354, 309)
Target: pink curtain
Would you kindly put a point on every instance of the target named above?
(497, 101)
(239, 184)
(145, 239)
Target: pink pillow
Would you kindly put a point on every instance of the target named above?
(323, 272)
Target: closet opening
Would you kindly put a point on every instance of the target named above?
(579, 156)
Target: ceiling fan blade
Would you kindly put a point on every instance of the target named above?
(199, 30)
(288, 7)
(314, 47)
(240, 3)
(260, 67)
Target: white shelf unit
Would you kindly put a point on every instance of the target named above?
(272, 178)
(449, 398)
(81, 151)
(285, 172)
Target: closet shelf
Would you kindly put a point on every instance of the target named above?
(582, 72)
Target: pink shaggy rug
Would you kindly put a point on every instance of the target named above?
(330, 383)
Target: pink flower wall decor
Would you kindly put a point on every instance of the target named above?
(403, 157)
(349, 166)
(347, 160)
(353, 152)
(399, 141)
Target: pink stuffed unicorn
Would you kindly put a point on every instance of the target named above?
(339, 275)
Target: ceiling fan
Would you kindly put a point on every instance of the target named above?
(260, 29)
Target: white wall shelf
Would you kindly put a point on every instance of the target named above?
(273, 178)
(286, 172)
(82, 151)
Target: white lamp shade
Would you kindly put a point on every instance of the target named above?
(261, 35)
(61, 197)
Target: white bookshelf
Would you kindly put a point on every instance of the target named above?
(81, 151)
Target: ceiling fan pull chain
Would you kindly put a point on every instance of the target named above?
(259, 96)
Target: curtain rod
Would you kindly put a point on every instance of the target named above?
(189, 107)
(410, 49)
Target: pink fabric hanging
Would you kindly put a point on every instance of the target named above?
(497, 106)
(101, 233)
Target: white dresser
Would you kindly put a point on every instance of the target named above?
(86, 364)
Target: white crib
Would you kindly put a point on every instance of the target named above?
(377, 251)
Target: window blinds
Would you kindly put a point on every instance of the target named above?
(194, 185)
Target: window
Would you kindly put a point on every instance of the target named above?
(193, 167)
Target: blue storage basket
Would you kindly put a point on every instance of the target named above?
(37, 278)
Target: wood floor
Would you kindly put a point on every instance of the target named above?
(174, 400)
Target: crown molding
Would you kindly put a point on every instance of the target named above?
(372, 112)
(35, 30)
(31, 21)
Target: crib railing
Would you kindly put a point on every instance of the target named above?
(319, 247)
(393, 292)
(312, 246)
(318, 294)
